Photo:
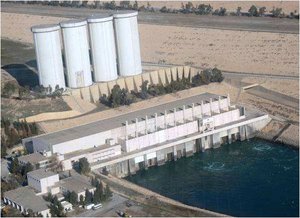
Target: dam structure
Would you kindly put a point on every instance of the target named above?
(124, 144)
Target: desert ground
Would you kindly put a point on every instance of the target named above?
(240, 51)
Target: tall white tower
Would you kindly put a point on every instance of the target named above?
(76, 49)
(49, 55)
(103, 48)
(128, 43)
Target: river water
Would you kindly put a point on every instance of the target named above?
(250, 178)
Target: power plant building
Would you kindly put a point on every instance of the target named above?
(151, 136)
(103, 48)
(128, 43)
(76, 49)
(49, 55)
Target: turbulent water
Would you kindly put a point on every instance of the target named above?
(251, 178)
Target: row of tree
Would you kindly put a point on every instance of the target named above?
(26, 93)
(18, 176)
(120, 96)
(206, 9)
(13, 132)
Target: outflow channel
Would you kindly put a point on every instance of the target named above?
(250, 178)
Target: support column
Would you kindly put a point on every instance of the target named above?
(216, 140)
(165, 119)
(193, 111)
(131, 166)
(146, 125)
(210, 106)
(219, 104)
(160, 157)
(183, 113)
(202, 109)
(174, 116)
(175, 152)
(228, 100)
(136, 127)
(126, 133)
(155, 121)
(145, 161)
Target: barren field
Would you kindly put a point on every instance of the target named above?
(268, 53)
(288, 87)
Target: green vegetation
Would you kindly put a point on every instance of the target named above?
(101, 194)
(18, 176)
(117, 97)
(122, 97)
(84, 166)
(12, 90)
(56, 209)
(14, 132)
(71, 197)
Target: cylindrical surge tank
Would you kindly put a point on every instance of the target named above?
(103, 47)
(128, 43)
(76, 49)
(49, 55)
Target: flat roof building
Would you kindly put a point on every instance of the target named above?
(36, 159)
(25, 198)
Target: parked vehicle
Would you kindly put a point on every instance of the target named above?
(89, 206)
(97, 206)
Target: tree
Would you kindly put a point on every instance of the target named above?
(135, 6)
(27, 168)
(276, 12)
(253, 11)
(205, 76)
(204, 9)
(262, 11)
(144, 90)
(88, 197)
(73, 198)
(108, 192)
(15, 167)
(81, 201)
(238, 11)
(163, 9)
(216, 75)
(84, 166)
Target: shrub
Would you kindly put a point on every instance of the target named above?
(253, 11)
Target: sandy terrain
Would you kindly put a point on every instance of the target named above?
(286, 86)
(228, 50)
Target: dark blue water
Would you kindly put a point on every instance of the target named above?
(252, 178)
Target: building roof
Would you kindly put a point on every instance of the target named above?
(76, 184)
(41, 173)
(33, 158)
(118, 121)
(26, 197)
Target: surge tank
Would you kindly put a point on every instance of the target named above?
(128, 43)
(49, 55)
(103, 47)
(76, 49)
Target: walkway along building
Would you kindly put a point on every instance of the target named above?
(151, 136)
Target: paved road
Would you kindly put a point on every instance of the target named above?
(258, 24)
(109, 209)
(229, 73)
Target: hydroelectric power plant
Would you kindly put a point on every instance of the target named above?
(124, 144)
(187, 144)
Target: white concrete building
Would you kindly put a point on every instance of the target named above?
(152, 135)
(26, 198)
(42, 180)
